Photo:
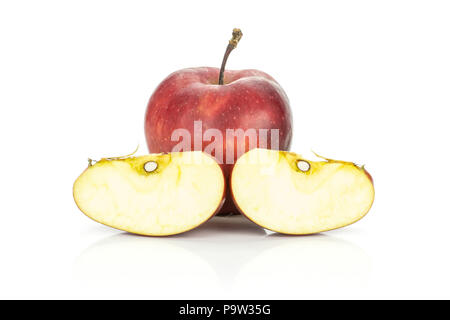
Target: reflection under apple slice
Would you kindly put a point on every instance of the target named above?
(226, 254)
(203, 257)
(315, 263)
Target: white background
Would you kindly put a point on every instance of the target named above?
(368, 81)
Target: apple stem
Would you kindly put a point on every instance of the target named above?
(91, 162)
(237, 35)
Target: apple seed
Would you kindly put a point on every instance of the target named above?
(150, 166)
(303, 165)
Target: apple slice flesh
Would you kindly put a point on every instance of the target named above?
(156, 194)
(283, 192)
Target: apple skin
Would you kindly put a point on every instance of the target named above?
(248, 99)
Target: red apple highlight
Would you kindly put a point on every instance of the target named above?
(224, 113)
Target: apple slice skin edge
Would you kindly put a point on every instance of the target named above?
(157, 235)
(147, 234)
(367, 174)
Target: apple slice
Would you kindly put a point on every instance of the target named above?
(156, 194)
(283, 192)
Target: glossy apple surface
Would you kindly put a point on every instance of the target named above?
(248, 99)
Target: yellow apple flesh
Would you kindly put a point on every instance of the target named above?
(283, 192)
(156, 194)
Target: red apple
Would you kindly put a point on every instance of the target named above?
(224, 113)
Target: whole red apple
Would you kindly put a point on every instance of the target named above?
(224, 113)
